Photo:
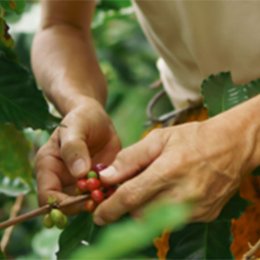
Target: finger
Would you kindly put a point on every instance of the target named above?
(49, 186)
(50, 167)
(64, 198)
(107, 154)
(134, 159)
(165, 196)
(53, 178)
(131, 195)
(74, 150)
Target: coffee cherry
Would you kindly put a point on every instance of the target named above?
(62, 223)
(99, 167)
(52, 201)
(109, 192)
(90, 205)
(56, 215)
(106, 186)
(97, 196)
(78, 191)
(93, 184)
(82, 185)
(92, 174)
(47, 221)
(59, 219)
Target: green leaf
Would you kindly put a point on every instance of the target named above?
(113, 4)
(256, 172)
(126, 237)
(13, 187)
(205, 240)
(21, 103)
(45, 243)
(5, 38)
(7, 52)
(2, 255)
(82, 229)
(233, 209)
(14, 154)
(221, 94)
(13, 6)
(202, 241)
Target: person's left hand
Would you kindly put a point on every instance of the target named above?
(202, 161)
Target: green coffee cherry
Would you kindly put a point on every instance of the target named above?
(59, 219)
(56, 215)
(52, 201)
(62, 223)
(92, 174)
(47, 221)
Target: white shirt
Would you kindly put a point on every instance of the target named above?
(196, 38)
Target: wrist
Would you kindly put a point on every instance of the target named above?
(67, 93)
(73, 101)
(243, 125)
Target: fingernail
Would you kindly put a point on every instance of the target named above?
(109, 172)
(99, 221)
(78, 167)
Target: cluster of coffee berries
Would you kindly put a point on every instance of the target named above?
(90, 185)
(55, 218)
(93, 186)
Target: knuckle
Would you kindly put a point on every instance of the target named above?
(128, 197)
(42, 152)
(121, 156)
(39, 161)
(164, 174)
(155, 133)
(67, 144)
(157, 138)
(120, 161)
(67, 149)
(163, 178)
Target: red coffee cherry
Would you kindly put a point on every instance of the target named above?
(99, 167)
(106, 186)
(93, 184)
(110, 191)
(90, 205)
(97, 196)
(82, 185)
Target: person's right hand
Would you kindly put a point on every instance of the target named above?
(86, 136)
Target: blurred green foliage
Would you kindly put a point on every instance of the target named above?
(128, 237)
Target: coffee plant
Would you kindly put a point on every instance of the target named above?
(163, 231)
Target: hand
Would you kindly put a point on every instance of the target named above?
(202, 161)
(86, 137)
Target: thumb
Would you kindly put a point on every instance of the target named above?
(74, 151)
(132, 160)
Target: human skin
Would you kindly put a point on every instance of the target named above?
(203, 161)
(66, 67)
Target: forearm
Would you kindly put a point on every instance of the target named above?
(66, 67)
